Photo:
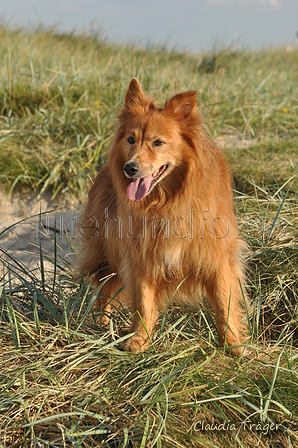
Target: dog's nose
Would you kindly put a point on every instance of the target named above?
(131, 169)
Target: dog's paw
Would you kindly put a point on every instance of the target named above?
(135, 344)
(236, 348)
(237, 351)
(103, 320)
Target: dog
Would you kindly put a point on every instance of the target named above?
(160, 217)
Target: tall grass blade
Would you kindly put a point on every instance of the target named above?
(276, 217)
(268, 399)
(35, 311)
(13, 323)
(42, 272)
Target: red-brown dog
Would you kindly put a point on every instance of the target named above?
(161, 211)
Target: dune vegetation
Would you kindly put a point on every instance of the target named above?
(64, 382)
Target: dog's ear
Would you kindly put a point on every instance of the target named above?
(134, 95)
(183, 105)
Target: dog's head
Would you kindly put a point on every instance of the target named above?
(153, 140)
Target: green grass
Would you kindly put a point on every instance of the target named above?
(59, 95)
(63, 379)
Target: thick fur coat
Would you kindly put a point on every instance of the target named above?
(160, 214)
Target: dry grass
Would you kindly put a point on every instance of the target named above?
(63, 380)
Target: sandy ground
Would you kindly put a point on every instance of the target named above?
(27, 222)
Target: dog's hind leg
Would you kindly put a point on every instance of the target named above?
(108, 295)
(142, 298)
(226, 297)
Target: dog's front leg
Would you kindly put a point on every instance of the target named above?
(142, 296)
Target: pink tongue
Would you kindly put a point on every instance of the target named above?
(138, 188)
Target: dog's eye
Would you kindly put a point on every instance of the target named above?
(131, 140)
(158, 143)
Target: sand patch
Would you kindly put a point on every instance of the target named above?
(28, 223)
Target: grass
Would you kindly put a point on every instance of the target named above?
(63, 380)
(59, 95)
